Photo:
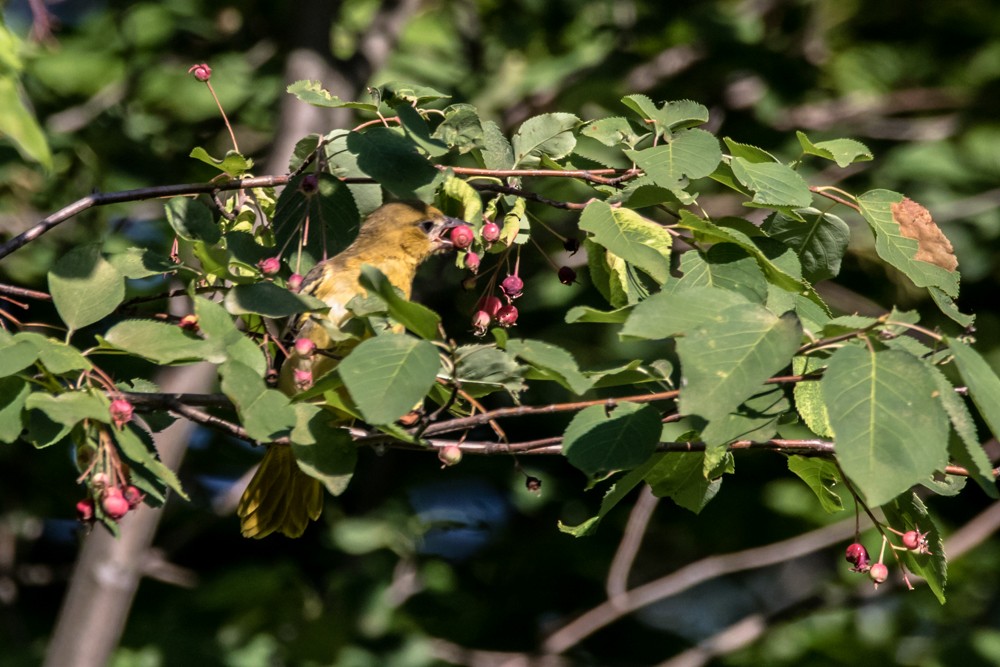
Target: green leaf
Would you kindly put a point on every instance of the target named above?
(755, 419)
(461, 129)
(550, 362)
(910, 513)
(265, 413)
(548, 135)
(234, 165)
(669, 115)
(397, 93)
(16, 355)
(725, 266)
(681, 476)
(159, 342)
(672, 312)
(982, 381)
(43, 432)
(588, 315)
(689, 154)
(417, 131)
(13, 395)
(71, 407)
(898, 250)
(820, 242)
(631, 237)
(497, 152)
(388, 375)
(747, 152)
(333, 216)
(143, 456)
(969, 453)
(267, 299)
(482, 369)
(17, 123)
(890, 428)
(618, 491)
(600, 440)
(137, 263)
(615, 131)
(312, 92)
(192, 221)
(322, 450)
(417, 318)
(773, 183)
(842, 151)
(460, 200)
(822, 477)
(726, 361)
(56, 356)
(809, 397)
(948, 307)
(394, 162)
(85, 287)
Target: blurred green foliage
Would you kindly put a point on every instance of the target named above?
(917, 82)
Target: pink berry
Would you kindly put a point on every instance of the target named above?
(114, 503)
(507, 316)
(462, 237)
(450, 455)
(490, 304)
(857, 555)
(189, 323)
(567, 276)
(914, 540)
(295, 282)
(99, 480)
(202, 72)
(490, 232)
(304, 347)
(480, 322)
(303, 378)
(85, 509)
(121, 412)
(512, 286)
(269, 266)
(133, 496)
(472, 261)
(878, 573)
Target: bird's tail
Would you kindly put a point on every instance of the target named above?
(280, 497)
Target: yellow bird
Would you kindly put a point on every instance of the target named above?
(395, 239)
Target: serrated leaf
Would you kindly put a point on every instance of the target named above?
(396, 93)
(809, 397)
(748, 152)
(417, 318)
(948, 307)
(312, 92)
(192, 221)
(56, 356)
(158, 341)
(726, 361)
(689, 154)
(600, 440)
(820, 242)
(141, 455)
(669, 115)
(265, 413)
(910, 513)
(725, 266)
(674, 312)
(890, 429)
(71, 407)
(615, 131)
(267, 299)
(394, 162)
(982, 381)
(842, 151)
(234, 165)
(631, 237)
(550, 362)
(618, 491)
(85, 287)
(822, 477)
(896, 248)
(13, 395)
(548, 135)
(483, 368)
(969, 453)
(497, 152)
(772, 183)
(680, 476)
(461, 129)
(322, 450)
(417, 131)
(389, 374)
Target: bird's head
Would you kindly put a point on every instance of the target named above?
(419, 229)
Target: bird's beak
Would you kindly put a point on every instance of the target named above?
(440, 233)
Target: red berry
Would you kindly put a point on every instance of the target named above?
(491, 304)
(512, 286)
(878, 573)
(121, 412)
(857, 555)
(189, 323)
(572, 245)
(295, 282)
(303, 378)
(462, 237)
(480, 322)
(472, 261)
(507, 316)
(114, 503)
(304, 347)
(450, 455)
(490, 232)
(269, 266)
(567, 276)
(914, 540)
(85, 509)
(133, 496)
(201, 72)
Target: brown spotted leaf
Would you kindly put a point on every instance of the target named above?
(915, 223)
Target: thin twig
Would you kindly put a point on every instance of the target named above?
(628, 548)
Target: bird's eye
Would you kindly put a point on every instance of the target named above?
(426, 226)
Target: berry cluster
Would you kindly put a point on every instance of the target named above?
(857, 555)
(116, 500)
